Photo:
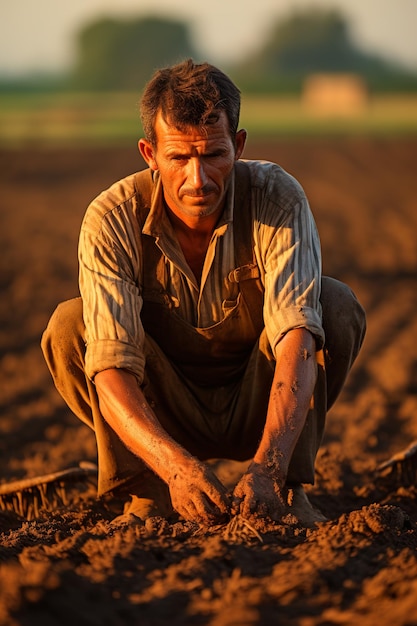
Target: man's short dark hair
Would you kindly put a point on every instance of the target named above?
(189, 95)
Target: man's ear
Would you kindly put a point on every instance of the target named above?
(148, 153)
(240, 142)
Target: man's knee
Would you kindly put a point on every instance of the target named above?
(64, 328)
(343, 315)
(344, 324)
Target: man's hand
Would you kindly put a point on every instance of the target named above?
(197, 494)
(259, 494)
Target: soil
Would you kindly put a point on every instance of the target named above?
(74, 564)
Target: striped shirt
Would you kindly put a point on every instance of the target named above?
(287, 250)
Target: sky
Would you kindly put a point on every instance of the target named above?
(39, 35)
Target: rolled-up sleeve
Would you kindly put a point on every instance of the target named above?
(290, 257)
(109, 271)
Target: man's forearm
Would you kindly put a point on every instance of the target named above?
(290, 396)
(127, 411)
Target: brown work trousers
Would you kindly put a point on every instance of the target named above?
(224, 421)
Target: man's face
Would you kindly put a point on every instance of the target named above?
(194, 165)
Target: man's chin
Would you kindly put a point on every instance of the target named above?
(205, 200)
(201, 208)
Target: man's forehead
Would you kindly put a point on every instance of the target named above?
(167, 132)
(216, 124)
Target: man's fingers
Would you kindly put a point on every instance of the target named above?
(217, 501)
(216, 493)
(237, 499)
(249, 502)
(198, 506)
(248, 506)
(201, 511)
(210, 507)
(203, 499)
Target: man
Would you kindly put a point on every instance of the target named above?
(200, 284)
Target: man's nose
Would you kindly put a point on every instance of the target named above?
(198, 177)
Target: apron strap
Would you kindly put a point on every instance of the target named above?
(144, 187)
(247, 273)
(242, 219)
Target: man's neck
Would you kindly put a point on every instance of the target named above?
(194, 236)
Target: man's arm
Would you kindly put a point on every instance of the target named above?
(260, 490)
(195, 491)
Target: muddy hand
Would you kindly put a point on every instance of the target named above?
(198, 495)
(258, 494)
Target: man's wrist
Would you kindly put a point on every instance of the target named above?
(271, 464)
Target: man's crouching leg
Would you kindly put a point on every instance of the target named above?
(121, 474)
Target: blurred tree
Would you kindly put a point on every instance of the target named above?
(122, 54)
(308, 41)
